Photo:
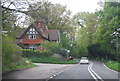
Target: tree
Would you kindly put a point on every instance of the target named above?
(109, 20)
(87, 25)
(64, 41)
(55, 15)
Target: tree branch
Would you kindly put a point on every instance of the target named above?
(25, 12)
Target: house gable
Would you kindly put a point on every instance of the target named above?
(32, 35)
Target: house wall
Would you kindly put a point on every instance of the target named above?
(26, 40)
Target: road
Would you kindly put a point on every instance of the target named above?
(41, 71)
(95, 71)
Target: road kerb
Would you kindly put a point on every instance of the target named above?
(109, 68)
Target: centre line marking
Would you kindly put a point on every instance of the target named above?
(93, 74)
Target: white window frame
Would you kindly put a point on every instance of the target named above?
(32, 37)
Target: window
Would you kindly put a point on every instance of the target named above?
(32, 36)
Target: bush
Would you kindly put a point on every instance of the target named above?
(55, 48)
(52, 46)
(35, 53)
(12, 56)
(63, 52)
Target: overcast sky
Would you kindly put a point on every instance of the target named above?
(79, 5)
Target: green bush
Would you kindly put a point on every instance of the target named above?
(63, 52)
(12, 56)
(35, 53)
(52, 46)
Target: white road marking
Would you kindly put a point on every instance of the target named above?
(54, 75)
(58, 73)
(51, 77)
(109, 68)
(93, 74)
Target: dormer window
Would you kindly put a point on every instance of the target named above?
(32, 37)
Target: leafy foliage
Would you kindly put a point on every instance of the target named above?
(88, 24)
(108, 22)
(35, 53)
(52, 46)
(55, 48)
(64, 41)
(12, 56)
(55, 15)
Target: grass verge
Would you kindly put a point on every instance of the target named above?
(115, 65)
(52, 60)
(24, 66)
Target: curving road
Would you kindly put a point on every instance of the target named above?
(95, 71)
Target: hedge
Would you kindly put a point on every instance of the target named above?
(35, 53)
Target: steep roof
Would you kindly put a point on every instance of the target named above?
(53, 35)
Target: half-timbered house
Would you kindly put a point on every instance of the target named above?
(33, 36)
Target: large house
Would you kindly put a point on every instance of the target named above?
(33, 36)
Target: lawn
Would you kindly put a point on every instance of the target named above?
(52, 60)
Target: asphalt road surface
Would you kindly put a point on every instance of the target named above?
(41, 71)
(95, 71)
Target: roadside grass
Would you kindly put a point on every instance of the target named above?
(115, 65)
(52, 60)
(25, 66)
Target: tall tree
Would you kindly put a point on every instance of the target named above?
(55, 15)
(108, 23)
(87, 25)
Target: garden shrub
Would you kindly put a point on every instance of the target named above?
(12, 56)
(52, 46)
(63, 52)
